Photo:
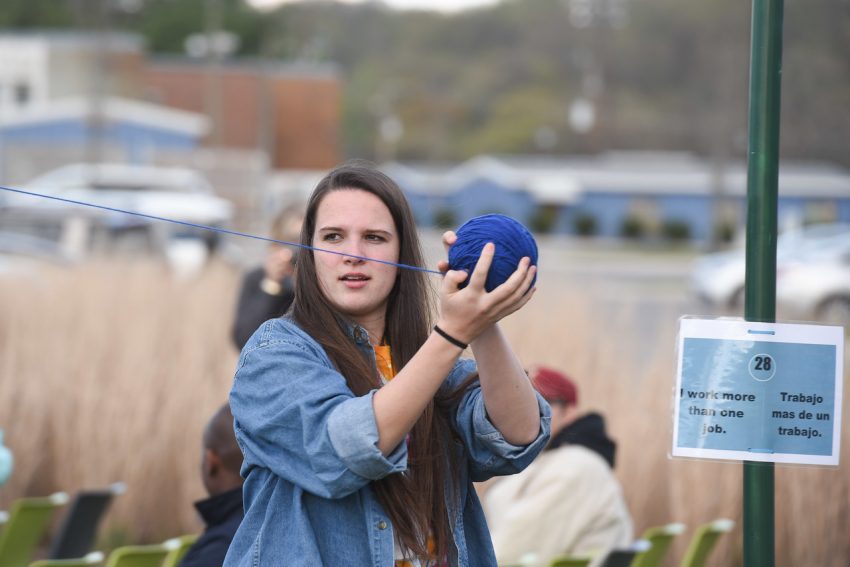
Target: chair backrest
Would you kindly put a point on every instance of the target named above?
(28, 519)
(660, 538)
(178, 547)
(571, 561)
(138, 556)
(618, 558)
(704, 540)
(76, 535)
(623, 556)
(93, 558)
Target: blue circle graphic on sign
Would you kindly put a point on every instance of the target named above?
(762, 367)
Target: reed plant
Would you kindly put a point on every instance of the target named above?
(110, 370)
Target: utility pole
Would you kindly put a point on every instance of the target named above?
(760, 285)
(95, 129)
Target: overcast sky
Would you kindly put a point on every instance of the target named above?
(442, 5)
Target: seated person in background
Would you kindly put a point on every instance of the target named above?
(267, 291)
(222, 511)
(568, 500)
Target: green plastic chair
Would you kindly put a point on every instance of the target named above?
(28, 518)
(660, 537)
(623, 556)
(138, 556)
(93, 558)
(704, 540)
(75, 536)
(178, 547)
(571, 560)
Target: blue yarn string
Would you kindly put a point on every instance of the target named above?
(513, 241)
(216, 229)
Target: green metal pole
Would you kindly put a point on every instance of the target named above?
(760, 288)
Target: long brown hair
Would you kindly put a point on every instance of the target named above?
(416, 502)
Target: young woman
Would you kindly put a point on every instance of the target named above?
(361, 427)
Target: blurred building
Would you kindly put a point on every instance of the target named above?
(642, 195)
(40, 67)
(68, 96)
(128, 127)
(289, 111)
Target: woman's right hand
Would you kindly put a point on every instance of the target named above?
(278, 264)
(466, 313)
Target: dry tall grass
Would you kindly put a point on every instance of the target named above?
(109, 372)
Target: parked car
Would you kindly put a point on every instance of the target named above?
(718, 279)
(25, 254)
(178, 194)
(818, 286)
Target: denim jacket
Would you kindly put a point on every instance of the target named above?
(310, 454)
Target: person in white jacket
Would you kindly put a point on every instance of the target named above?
(568, 500)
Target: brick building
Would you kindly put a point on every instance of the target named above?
(290, 111)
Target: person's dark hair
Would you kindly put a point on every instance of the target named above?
(220, 438)
(416, 502)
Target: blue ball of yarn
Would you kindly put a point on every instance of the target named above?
(513, 242)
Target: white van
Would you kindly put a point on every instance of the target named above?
(177, 194)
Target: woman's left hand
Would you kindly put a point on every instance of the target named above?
(466, 313)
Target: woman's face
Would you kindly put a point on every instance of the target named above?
(353, 221)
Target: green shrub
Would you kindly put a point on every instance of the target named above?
(724, 232)
(676, 230)
(544, 219)
(445, 218)
(585, 224)
(634, 227)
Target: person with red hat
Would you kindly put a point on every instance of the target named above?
(568, 500)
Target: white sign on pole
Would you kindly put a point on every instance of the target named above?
(766, 392)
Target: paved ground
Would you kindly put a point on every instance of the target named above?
(609, 271)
